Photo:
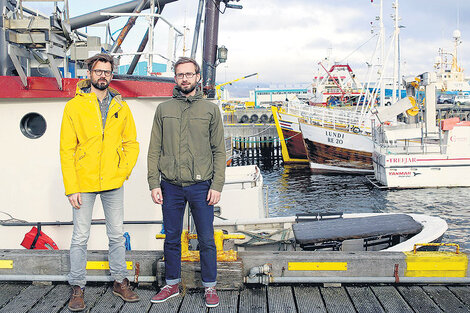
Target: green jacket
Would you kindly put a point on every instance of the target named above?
(187, 143)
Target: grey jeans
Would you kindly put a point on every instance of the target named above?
(113, 206)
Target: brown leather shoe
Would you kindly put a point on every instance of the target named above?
(77, 303)
(123, 290)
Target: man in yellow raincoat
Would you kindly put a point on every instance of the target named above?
(98, 150)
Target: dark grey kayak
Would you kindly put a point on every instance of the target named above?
(339, 229)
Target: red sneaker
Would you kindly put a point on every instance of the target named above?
(167, 292)
(212, 299)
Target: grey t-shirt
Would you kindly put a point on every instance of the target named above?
(104, 105)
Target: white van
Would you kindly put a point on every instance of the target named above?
(462, 99)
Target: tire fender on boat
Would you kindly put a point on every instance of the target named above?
(356, 130)
(244, 119)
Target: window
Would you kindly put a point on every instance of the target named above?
(33, 125)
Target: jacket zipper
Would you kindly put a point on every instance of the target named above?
(100, 120)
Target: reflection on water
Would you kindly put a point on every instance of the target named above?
(296, 190)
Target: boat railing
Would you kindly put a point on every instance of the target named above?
(336, 118)
(417, 145)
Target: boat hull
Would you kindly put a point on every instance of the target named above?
(422, 170)
(292, 144)
(33, 190)
(337, 151)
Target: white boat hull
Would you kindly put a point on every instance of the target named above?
(423, 170)
(33, 191)
(336, 150)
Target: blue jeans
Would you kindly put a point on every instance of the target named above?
(113, 206)
(174, 202)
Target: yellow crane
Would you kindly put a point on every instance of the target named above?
(219, 87)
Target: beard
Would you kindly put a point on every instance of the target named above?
(187, 88)
(100, 84)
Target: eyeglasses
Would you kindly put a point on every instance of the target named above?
(101, 72)
(188, 75)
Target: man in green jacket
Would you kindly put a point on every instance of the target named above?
(186, 163)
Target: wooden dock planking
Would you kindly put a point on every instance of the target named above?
(445, 299)
(309, 299)
(364, 299)
(281, 300)
(54, 300)
(253, 300)
(25, 298)
(228, 302)
(391, 300)
(418, 299)
(337, 300)
(108, 303)
(193, 302)
(462, 292)
(23, 302)
(143, 305)
(9, 291)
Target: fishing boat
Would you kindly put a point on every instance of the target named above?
(421, 154)
(337, 141)
(450, 76)
(38, 75)
(338, 87)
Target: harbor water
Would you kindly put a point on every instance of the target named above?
(294, 189)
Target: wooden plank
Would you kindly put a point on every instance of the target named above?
(10, 290)
(391, 299)
(26, 299)
(418, 299)
(309, 299)
(281, 300)
(364, 299)
(145, 294)
(253, 301)
(171, 305)
(336, 300)
(193, 302)
(462, 292)
(228, 300)
(445, 299)
(108, 303)
(54, 301)
(92, 295)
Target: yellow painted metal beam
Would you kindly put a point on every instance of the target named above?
(317, 266)
(6, 264)
(103, 265)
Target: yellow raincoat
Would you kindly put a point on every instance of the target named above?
(92, 158)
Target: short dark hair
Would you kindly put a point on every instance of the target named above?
(183, 60)
(100, 57)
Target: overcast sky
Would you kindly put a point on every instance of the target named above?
(284, 40)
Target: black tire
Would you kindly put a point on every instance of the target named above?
(264, 118)
(271, 119)
(254, 118)
(244, 119)
(356, 130)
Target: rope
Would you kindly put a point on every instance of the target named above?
(11, 219)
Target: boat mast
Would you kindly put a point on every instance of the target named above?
(382, 53)
(396, 54)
